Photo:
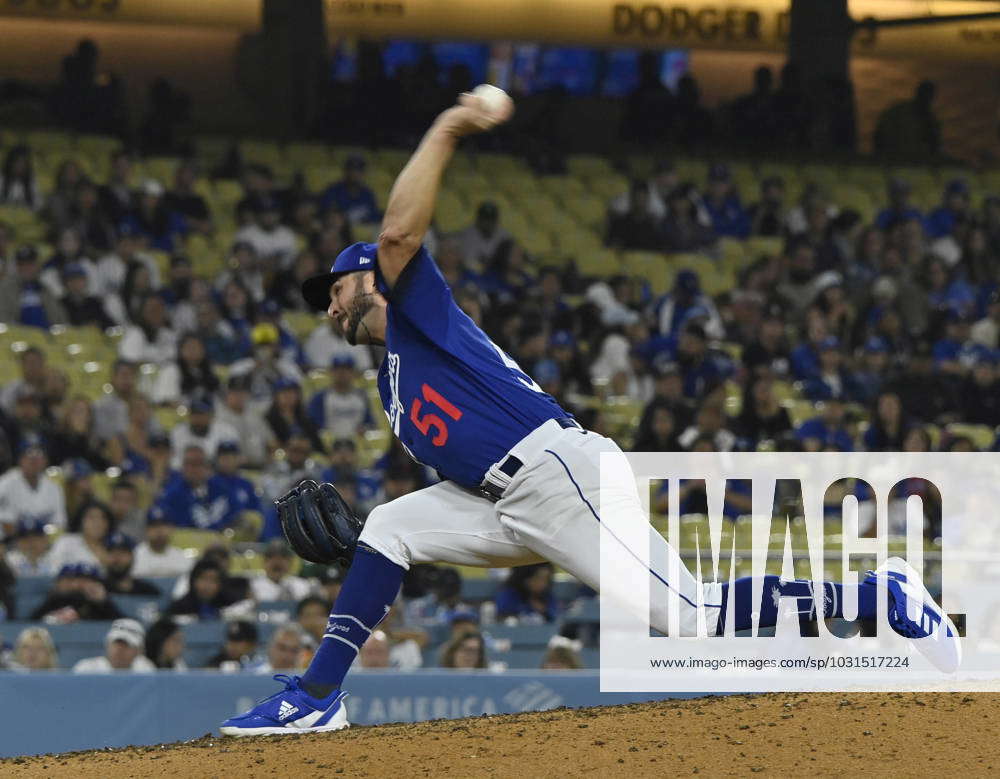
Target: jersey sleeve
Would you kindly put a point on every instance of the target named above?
(422, 297)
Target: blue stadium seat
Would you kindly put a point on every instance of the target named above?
(522, 635)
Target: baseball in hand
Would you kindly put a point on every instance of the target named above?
(494, 101)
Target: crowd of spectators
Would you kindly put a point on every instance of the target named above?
(887, 330)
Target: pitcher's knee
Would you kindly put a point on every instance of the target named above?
(382, 533)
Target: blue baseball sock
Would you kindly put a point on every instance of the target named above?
(774, 587)
(370, 587)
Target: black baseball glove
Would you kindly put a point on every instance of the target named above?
(319, 524)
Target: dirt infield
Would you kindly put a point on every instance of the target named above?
(783, 735)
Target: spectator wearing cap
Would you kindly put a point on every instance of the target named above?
(124, 647)
(287, 414)
(685, 302)
(151, 218)
(82, 308)
(113, 268)
(156, 557)
(111, 411)
(28, 419)
(187, 377)
(228, 460)
(34, 370)
(195, 497)
(722, 202)
(638, 227)
(119, 577)
(29, 555)
(351, 195)
(78, 487)
(274, 243)
(206, 598)
(828, 431)
(184, 200)
(69, 251)
(200, 429)
(979, 394)
(27, 493)
(246, 419)
(88, 545)
(955, 353)
(483, 237)
(899, 209)
(344, 471)
(288, 342)
(325, 343)
(832, 379)
(76, 594)
(239, 648)
(277, 581)
(955, 207)
(246, 266)
(165, 645)
(702, 368)
(150, 338)
(266, 365)
(870, 375)
(342, 408)
(23, 298)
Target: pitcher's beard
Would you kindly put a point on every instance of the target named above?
(360, 306)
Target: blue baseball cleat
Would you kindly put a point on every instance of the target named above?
(290, 711)
(914, 613)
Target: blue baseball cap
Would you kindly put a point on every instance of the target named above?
(228, 447)
(876, 345)
(201, 405)
(356, 257)
(30, 526)
(283, 383)
(77, 468)
(562, 338)
(830, 342)
(342, 361)
(119, 540)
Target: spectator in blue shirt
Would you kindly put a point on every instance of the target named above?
(153, 220)
(675, 309)
(955, 207)
(195, 497)
(899, 209)
(351, 195)
(703, 370)
(243, 494)
(722, 201)
(343, 470)
(827, 431)
(527, 595)
(832, 379)
(870, 378)
(23, 298)
(949, 291)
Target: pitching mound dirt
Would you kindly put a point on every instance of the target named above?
(784, 735)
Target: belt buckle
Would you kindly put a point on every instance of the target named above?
(490, 491)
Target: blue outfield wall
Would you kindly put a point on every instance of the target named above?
(60, 712)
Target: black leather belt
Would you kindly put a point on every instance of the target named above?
(510, 465)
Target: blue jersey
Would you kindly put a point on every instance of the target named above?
(453, 397)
